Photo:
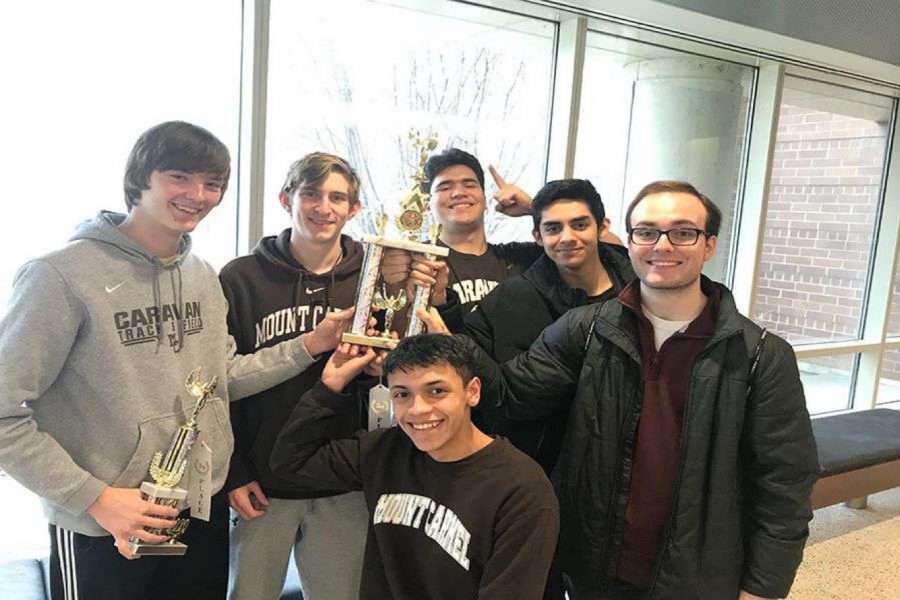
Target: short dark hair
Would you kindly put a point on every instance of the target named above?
(567, 189)
(315, 167)
(429, 349)
(713, 214)
(436, 163)
(174, 145)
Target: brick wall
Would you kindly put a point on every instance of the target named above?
(823, 201)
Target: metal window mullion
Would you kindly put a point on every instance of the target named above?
(750, 233)
(569, 61)
(252, 146)
(882, 277)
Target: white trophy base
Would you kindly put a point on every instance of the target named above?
(158, 494)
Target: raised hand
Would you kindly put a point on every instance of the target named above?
(327, 334)
(347, 361)
(433, 321)
(512, 200)
(395, 265)
(434, 273)
(125, 513)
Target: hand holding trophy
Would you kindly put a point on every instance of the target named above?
(167, 471)
(413, 234)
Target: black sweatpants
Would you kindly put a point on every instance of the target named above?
(90, 568)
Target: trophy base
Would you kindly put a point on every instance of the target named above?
(173, 497)
(171, 548)
(370, 340)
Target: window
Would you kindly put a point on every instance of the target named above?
(828, 382)
(648, 113)
(479, 79)
(889, 384)
(73, 109)
(823, 204)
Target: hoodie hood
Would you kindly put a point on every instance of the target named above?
(104, 228)
(276, 250)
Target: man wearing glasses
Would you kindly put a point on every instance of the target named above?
(689, 456)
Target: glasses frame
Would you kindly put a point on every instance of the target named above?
(665, 232)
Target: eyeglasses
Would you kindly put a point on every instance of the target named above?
(681, 236)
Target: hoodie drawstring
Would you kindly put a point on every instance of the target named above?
(157, 302)
(179, 307)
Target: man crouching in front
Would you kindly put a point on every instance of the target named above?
(455, 513)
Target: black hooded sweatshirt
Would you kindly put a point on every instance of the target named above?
(271, 298)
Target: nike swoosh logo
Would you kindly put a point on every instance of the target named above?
(110, 290)
(309, 291)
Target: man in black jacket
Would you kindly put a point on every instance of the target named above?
(689, 457)
(575, 269)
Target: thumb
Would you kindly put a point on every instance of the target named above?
(259, 493)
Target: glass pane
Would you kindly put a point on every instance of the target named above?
(827, 382)
(893, 327)
(479, 79)
(649, 113)
(889, 384)
(83, 100)
(823, 202)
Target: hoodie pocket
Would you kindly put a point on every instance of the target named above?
(155, 435)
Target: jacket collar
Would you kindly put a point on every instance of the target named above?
(617, 321)
(545, 277)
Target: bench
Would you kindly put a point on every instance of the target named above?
(859, 454)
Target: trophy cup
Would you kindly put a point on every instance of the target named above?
(167, 471)
(414, 234)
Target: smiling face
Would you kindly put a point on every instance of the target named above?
(568, 233)
(662, 265)
(433, 407)
(319, 212)
(457, 198)
(176, 201)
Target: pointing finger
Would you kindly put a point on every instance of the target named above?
(497, 177)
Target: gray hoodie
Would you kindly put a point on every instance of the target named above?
(95, 348)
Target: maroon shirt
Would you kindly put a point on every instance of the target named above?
(656, 454)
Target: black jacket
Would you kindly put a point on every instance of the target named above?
(273, 298)
(746, 468)
(513, 315)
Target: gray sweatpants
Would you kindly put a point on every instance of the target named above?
(327, 535)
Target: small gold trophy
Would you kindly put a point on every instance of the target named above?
(412, 226)
(167, 471)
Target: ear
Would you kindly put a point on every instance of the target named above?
(602, 228)
(709, 248)
(537, 237)
(354, 209)
(473, 392)
(285, 201)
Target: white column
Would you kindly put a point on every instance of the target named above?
(685, 125)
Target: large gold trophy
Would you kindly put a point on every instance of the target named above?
(167, 471)
(415, 233)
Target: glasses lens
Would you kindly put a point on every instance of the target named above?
(683, 237)
(643, 235)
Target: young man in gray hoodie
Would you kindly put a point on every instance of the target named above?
(95, 348)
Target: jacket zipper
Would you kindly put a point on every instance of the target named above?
(679, 473)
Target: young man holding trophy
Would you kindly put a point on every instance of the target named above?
(454, 513)
(112, 349)
(284, 288)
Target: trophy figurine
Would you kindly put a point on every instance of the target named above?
(167, 470)
(414, 233)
